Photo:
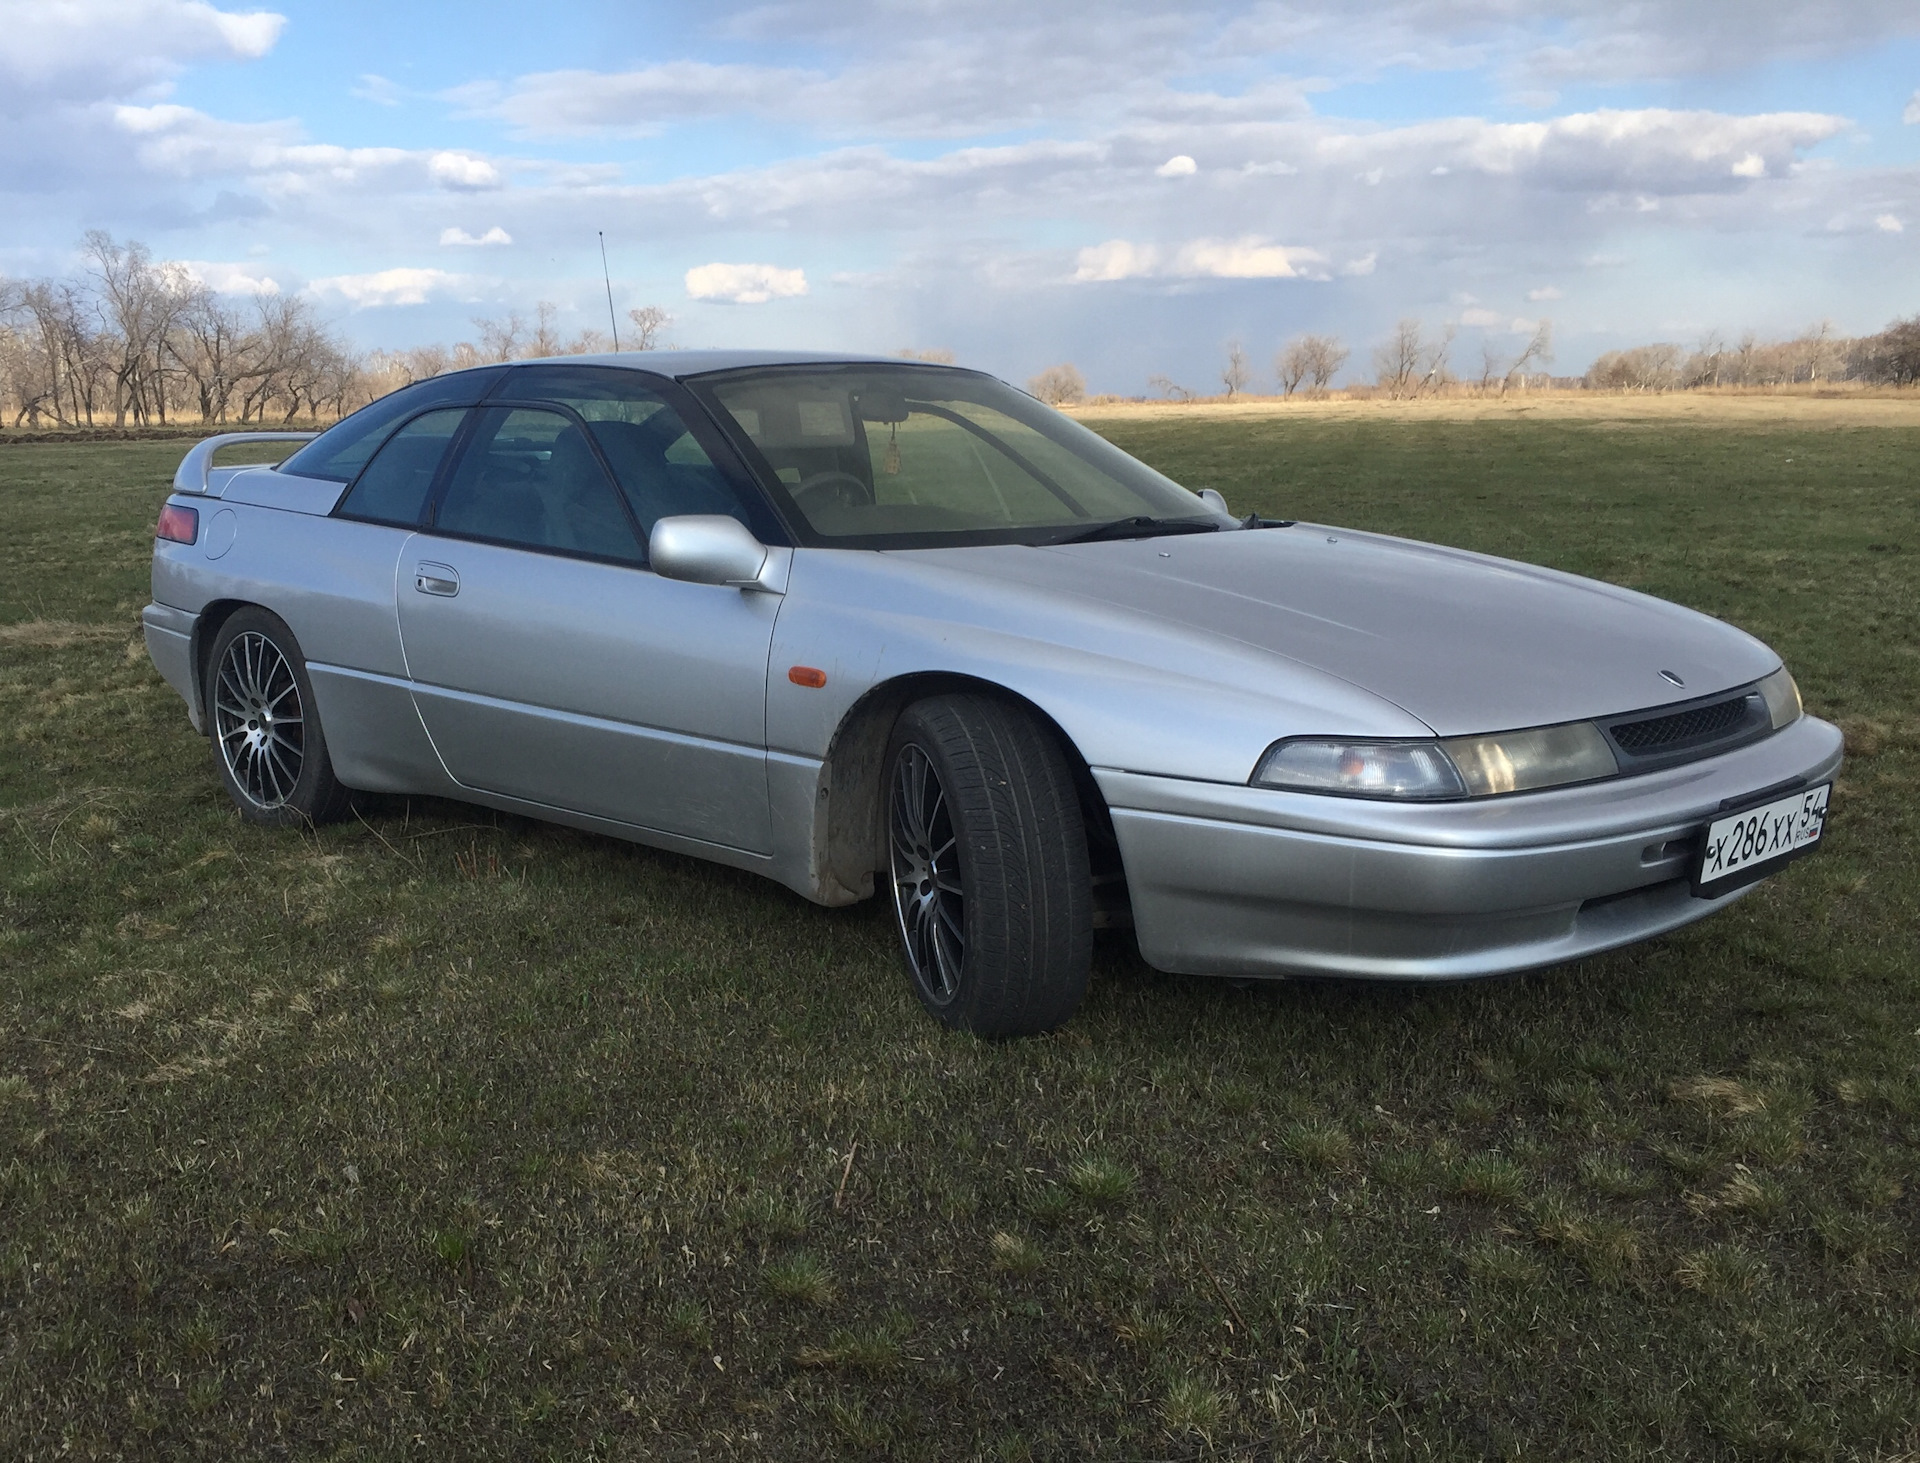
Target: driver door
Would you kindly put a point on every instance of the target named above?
(550, 665)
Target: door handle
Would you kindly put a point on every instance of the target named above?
(440, 579)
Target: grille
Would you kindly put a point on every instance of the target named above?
(1700, 723)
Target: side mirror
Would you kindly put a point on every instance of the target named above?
(708, 548)
(1214, 501)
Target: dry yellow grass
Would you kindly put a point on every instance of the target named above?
(56, 634)
(1746, 409)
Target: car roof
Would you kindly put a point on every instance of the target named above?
(682, 364)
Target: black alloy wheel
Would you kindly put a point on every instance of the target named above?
(987, 861)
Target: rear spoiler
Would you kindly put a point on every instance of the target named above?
(195, 466)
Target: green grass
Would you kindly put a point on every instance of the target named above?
(444, 1134)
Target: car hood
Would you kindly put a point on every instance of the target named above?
(1465, 642)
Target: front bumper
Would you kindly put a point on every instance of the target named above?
(1245, 881)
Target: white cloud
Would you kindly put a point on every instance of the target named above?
(391, 287)
(1116, 259)
(494, 235)
(744, 284)
(95, 50)
(1247, 258)
(229, 279)
(1355, 268)
(1252, 257)
(462, 171)
(1178, 166)
(1545, 292)
(562, 103)
(1888, 224)
(1911, 116)
(378, 90)
(1750, 166)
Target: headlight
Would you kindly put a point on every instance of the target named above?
(1361, 769)
(1547, 756)
(1782, 698)
(1459, 767)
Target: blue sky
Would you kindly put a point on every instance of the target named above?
(1128, 186)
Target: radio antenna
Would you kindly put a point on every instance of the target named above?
(609, 282)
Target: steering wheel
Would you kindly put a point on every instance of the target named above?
(832, 489)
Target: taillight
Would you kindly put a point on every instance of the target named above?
(178, 524)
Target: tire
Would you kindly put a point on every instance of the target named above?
(987, 859)
(265, 727)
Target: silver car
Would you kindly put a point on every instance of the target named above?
(839, 620)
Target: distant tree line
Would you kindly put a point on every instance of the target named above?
(1411, 362)
(1890, 358)
(1415, 361)
(134, 341)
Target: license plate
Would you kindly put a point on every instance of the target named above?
(1750, 844)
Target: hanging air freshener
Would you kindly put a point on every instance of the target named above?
(890, 460)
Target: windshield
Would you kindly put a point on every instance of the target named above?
(884, 456)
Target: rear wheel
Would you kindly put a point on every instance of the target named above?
(987, 854)
(267, 740)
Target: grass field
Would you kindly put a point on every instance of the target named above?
(439, 1134)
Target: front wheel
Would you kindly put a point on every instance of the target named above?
(987, 854)
(266, 731)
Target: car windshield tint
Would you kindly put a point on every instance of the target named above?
(914, 456)
(339, 453)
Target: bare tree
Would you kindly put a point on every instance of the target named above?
(1643, 368)
(1169, 388)
(1293, 364)
(1816, 352)
(140, 303)
(545, 340)
(1325, 356)
(1433, 363)
(500, 340)
(65, 361)
(1538, 351)
(648, 323)
(1891, 357)
(1059, 385)
(1493, 365)
(1396, 365)
(214, 350)
(1236, 375)
(1709, 360)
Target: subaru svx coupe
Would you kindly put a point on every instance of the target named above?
(866, 624)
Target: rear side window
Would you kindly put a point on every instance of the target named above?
(339, 453)
(529, 478)
(395, 486)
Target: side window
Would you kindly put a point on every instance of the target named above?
(395, 485)
(339, 453)
(661, 466)
(529, 477)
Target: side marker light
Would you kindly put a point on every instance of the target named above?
(806, 675)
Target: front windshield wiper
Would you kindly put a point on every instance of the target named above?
(1138, 527)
